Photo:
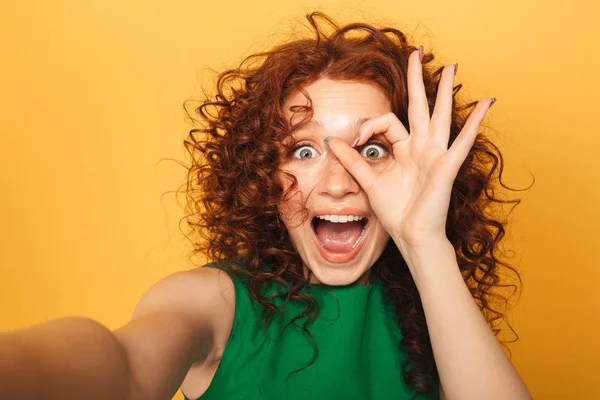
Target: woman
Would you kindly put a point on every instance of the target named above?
(341, 192)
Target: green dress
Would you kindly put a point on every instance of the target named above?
(358, 354)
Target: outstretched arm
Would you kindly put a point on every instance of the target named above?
(71, 357)
(172, 329)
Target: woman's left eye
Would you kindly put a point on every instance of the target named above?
(305, 152)
(373, 151)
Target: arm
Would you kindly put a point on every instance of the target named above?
(470, 361)
(70, 356)
(172, 329)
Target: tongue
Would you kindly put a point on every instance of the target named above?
(338, 237)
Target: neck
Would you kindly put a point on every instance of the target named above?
(364, 280)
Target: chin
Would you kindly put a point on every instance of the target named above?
(351, 270)
(340, 278)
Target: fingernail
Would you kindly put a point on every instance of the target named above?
(327, 139)
(421, 53)
(355, 141)
(455, 68)
(493, 101)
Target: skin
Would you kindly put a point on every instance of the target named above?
(324, 184)
(411, 198)
(181, 325)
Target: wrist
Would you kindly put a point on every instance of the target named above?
(419, 249)
(427, 257)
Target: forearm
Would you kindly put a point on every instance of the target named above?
(470, 361)
(66, 358)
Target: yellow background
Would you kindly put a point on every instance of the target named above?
(91, 100)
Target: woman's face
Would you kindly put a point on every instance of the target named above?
(337, 253)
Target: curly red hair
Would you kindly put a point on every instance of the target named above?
(232, 194)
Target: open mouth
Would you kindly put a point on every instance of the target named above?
(339, 234)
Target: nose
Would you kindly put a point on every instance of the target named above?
(336, 181)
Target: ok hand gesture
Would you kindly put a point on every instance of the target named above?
(411, 196)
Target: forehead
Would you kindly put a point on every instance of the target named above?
(334, 101)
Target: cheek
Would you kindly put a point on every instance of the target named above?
(285, 181)
(382, 237)
(303, 175)
(293, 206)
(290, 206)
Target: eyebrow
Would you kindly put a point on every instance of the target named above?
(314, 124)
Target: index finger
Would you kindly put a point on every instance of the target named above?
(352, 161)
(387, 124)
(418, 107)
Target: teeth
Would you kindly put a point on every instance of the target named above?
(340, 218)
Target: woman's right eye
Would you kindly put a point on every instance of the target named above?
(304, 152)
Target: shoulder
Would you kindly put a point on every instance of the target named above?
(185, 318)
(194, 289)
(204, 297)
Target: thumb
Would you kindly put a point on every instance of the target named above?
(352, 161)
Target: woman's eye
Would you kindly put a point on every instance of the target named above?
(373, 151)
(305, 152)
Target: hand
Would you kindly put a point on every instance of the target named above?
(411, 195)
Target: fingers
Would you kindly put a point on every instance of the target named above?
(442, 113)
(352, 161)
(418, 109)
(465, 140)
(387, 124)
